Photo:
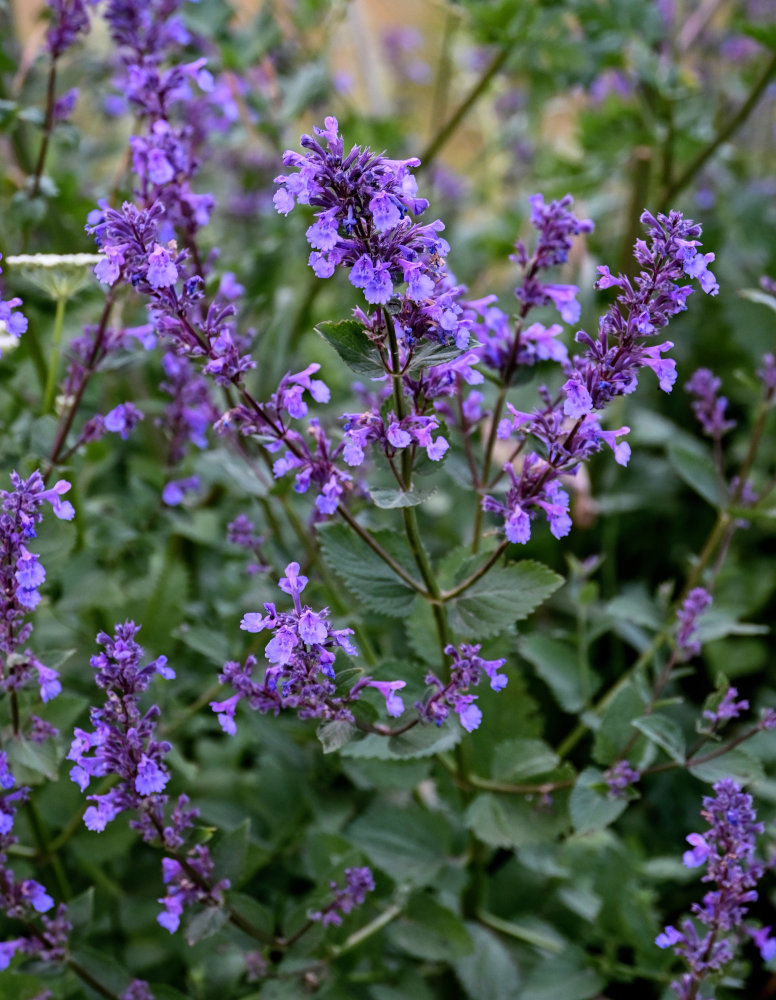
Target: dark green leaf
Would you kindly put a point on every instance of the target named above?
(736, 763)
(589, 804)
(365, 574)
(511, 822)
(502, 597)
(409, 844)
(663, 731)
(230, 853)
(488, 970)
(389, 499)
(354, 347)
(518, 759)
(334, 734)
(420, 741)
(693, 463)
(205, 923)
(430, 931)
(557, 665)
(616, 729)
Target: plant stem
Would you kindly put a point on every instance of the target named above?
(731, 126)
(48, 125)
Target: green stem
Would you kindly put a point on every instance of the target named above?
(53, 365)
(367, 930)
(48, 125)
(449, 127)
(377, 548)
(45, 851)
(731, 126)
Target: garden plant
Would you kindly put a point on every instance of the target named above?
(387, 500)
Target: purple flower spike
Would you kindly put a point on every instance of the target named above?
(728, 851)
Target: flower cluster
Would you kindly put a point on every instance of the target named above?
(466, 671)
(301, 654)
(358, 882)
(687, 616)
(27, 901)
(69, 19)
(707, 406)
(189, 882)
(610, 364)
(123, 740)
(21, 574)
(11, 323)
(364, 202)
(728, 851)
(619, 779)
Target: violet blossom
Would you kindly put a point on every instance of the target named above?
(710, 941)
(467, 670)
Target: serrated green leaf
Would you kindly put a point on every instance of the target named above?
(333, 734)
(364, 573)
(693, 463)
(616, 729)
(512, 822)
(502, 597)
(736, 763)
(488, 970)
(408, 844)
(210, 642)
(562, 975)
(230, 852)
(589, 804)
(557, 665)
(429, 354)
(388, 499)
(421, 632)
(354, 347)
(253, 911)
(430, 931)
(31, 762)
(664, 732)
(205, 924)
(420, 741)
(518, 759)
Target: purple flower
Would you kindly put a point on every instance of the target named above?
(728, 851)
(707, 406)
(466, 671)
(394, 705)
(358, 882)
(687, 616)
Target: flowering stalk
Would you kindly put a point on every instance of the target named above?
(729, 852)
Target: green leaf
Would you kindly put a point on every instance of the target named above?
(420, 741)
(230, 853)
(556, 663)
(663, 731)
(736, 763)
(364, 573)
(502, 597)
(765, 34)
(429, 354)
(31, 762)
(211, 643)
(616, 724)
(488, 969)
(430, 931)
(421, 632)
(693, 463)
(409, 844)
(204, 924)
(589, 804)
(253, 911)
(350, 341)
(518, 759)
(333, 734)
(388, 499)
(511, 822)
(562, 975)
